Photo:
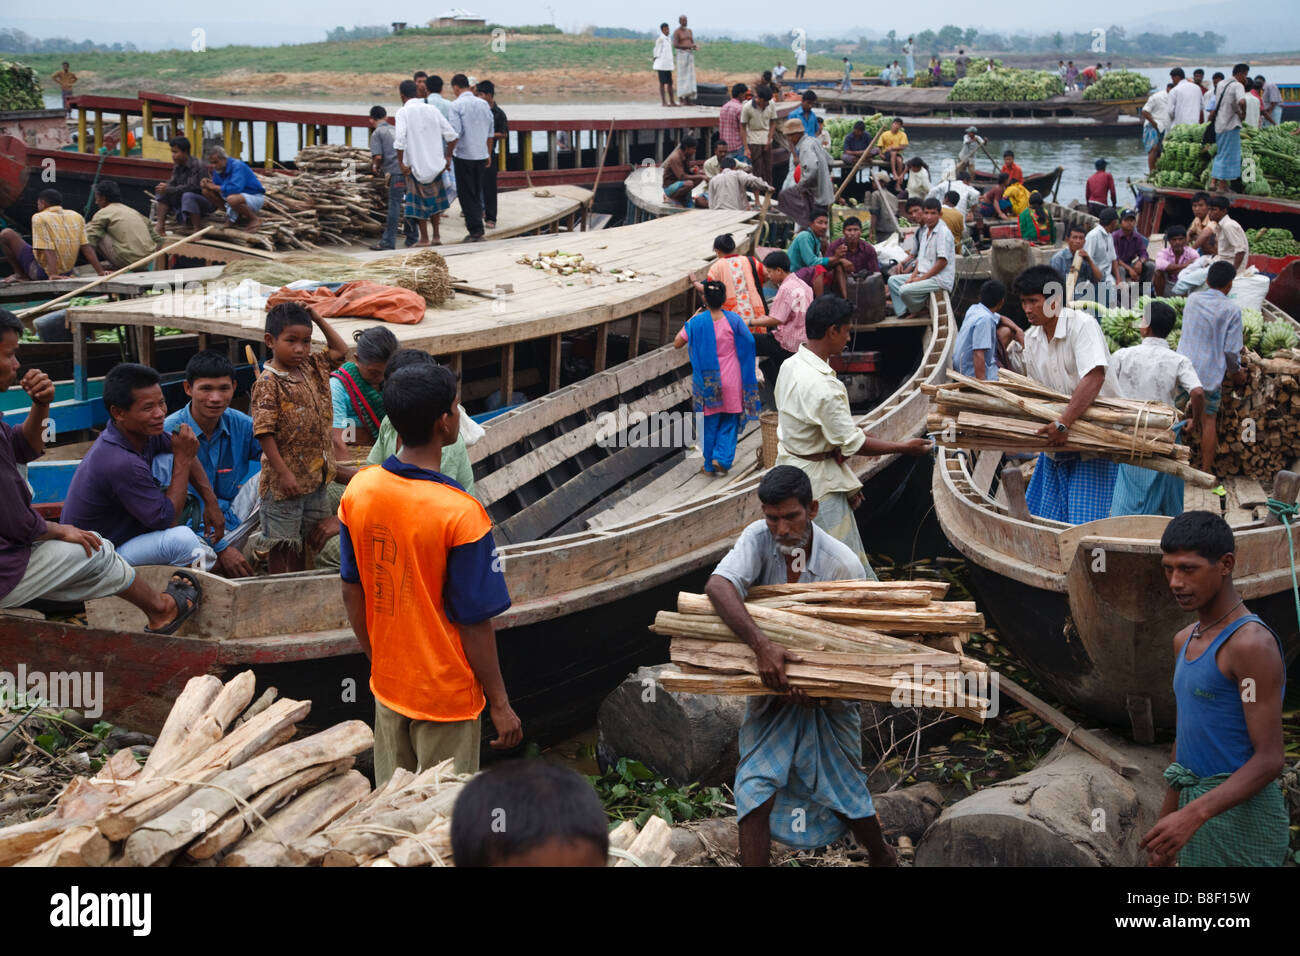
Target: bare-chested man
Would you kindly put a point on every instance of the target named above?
(684, 52)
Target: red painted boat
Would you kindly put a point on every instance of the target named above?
(13, 170)
(1045, 184)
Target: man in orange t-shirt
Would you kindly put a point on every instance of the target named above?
(421, 583)
(1011, 167)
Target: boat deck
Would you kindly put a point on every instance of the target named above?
(666, 253)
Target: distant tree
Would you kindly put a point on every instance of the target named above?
(928, 41)
(892, 39)
(969, 36)
(950, 37)
(1058, 41)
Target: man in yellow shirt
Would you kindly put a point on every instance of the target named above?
(119, 234)
(58, 236)
(892, 142)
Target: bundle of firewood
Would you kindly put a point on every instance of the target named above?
(1259, 422)
(223, 789)
(332, 198)
(858, 640)
(1006, 415)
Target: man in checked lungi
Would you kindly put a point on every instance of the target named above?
(1224, 806)
(800, 777)
(424, 142)
(1066, 351)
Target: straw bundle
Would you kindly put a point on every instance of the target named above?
(422, 271)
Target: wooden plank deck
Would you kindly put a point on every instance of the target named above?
(668, 252)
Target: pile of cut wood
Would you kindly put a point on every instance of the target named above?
(895, 641)
(333, 199)
(223, 789)
(1005, 416)
(1259, 422)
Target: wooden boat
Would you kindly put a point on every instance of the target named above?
(1045, 184)
(594, 537)
(1087, 607)
(645, 201)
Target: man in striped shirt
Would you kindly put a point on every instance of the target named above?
(729, 122)
(58, 237)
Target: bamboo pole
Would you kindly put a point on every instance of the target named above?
(853, 172)
(46, 306)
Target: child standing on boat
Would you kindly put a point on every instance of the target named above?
(723, 376)
(421, 583)
(1224, 806)
(292, 414)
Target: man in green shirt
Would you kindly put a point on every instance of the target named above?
(119, 233)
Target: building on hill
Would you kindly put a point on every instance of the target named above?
(457, 17)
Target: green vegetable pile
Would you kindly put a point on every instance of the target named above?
(1270, 160)
(1118, 85)
(923, 79)
(977, 64)
(1272, 242)
(1120, 326)
(839, 129)
(1008, 84)
(19, 89)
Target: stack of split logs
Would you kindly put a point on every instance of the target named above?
(333, 199)
(1006, 415)
(857, 640)
(223, 789)
(1259, 422)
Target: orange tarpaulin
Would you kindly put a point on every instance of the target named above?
(360, 300)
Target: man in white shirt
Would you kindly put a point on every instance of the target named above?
(779, 71)
(423, 142)
(729, 189)
(1233, 246)
(1066, 351)
(1100, 246)
(663, 64)
(1155, 120)
(800, 60)
(817, 432)
(1231, 96)
(1153, 372)
(471, 118)
(1211, 98)
(968, 195)
(1184, 99)
(932, 267)
(971, 143)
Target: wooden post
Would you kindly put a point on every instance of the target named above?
(347, 136)
(456, 364)
(144, 337)
(227, 136)
(552, 150)
(528, 151)
(185, 124)
(99, 129)
(146, 120)
(1013, 483)
(659, 145)
(311, 134)
(252, 145)
(122, 130)
(1285, 487)
(634, 335)
(602, 345)
(80, 367)
(81, 129)
(301, 136)
(507, 373)
(272, 148)
(625, 147)
(553, 377)
(665, 317)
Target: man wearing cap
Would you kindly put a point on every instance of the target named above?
(1101, 250)
(1100, 189)
(814, 186)
(1132, 264)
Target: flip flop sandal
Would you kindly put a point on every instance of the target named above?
(186, 593)
(719, 469)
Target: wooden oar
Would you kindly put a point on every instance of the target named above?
(762, 220)
(44, 307)
(854, 171)
(600, 168)
(1073, 732)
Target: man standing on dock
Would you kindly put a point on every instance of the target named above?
(800, 776)
(817, 431)
(1224, 806)
(383, 161)
(1228, 116)
(1065, 351)
(758, 122)
(663, 65)
(472, 121)
(66, 80)
(487, 92)
(424, 141)
(800, 57)
(684, 51)
(909, 58)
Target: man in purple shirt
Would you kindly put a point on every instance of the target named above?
(40, 559)
(114, 492)
(1132, 264)
(858, 256)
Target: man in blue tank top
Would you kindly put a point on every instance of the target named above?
(1224, 806)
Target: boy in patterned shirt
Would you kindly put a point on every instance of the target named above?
(291, 418)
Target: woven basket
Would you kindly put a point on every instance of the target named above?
(767, 424)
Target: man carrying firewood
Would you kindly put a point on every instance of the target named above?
(800, 776)
(1065, 350)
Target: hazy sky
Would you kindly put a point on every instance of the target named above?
(151, 24)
